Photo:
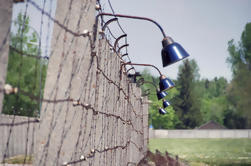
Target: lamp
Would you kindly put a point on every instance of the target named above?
(166, 103)
(160, 94)
(162, 111)
(164, 82)
(172, 52)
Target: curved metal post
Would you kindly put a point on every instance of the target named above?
(124, 55)
(117, 40)
(134, 17)
(148, 82)
(125, 45)
(137, 64)
(108, 22)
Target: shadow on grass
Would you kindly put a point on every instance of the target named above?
(235, 164)
(229, 163)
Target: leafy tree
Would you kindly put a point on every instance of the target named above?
(214, 109)
(213, 99)
(239, 91)
(24, 71)
(187, 103)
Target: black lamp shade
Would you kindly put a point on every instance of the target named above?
(166, 104)
(161, 95)
(165, 83)
(172, 52)
(162, 111)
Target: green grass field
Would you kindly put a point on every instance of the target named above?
(198, 152)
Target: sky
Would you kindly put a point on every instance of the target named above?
(202, 27)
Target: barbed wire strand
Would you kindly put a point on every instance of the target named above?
(111, 120)
(110, 4)
(123, 31)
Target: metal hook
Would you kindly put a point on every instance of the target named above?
(124, 55)
(117, 40)
(125, 45)
(108, 22)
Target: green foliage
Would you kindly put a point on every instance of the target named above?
(213, 109)
(193, 101)
(239, 91)
(24, 72)
(187, 103)
(213, 99)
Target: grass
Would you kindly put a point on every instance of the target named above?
(200, 152)
(19, 160)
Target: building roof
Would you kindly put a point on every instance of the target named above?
(211, 125)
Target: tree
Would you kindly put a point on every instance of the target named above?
(187, 103)
(24, 71)
(213, 109)
(213, 100)
(239, 91)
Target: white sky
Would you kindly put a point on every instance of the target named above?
(202, 27)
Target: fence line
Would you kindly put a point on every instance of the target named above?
(22, 138)
(207, 133)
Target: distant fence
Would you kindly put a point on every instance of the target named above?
(199, 133)
(17, 135)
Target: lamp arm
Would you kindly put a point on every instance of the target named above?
(134, 17)
(148, 82)
(137, 64)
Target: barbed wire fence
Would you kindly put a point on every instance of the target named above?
(90, 112)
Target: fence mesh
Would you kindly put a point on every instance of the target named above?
(69, 102)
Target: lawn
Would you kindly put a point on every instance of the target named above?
(206, 151)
